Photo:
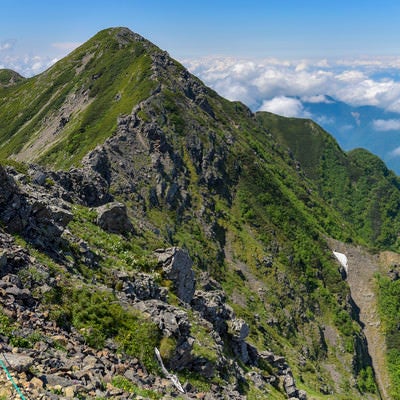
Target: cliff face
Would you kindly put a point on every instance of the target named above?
(179, 221)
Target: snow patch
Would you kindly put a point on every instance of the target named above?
(343, 260)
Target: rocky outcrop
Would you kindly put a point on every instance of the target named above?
(31, 211)
(84, 186)
(213, 308)
(239, 330)
(143, 287)
(78, 370)
(177, 267)
(113, 217)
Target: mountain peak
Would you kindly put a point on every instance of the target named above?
(118, 36)
(122, 34)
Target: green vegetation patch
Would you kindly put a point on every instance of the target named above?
(125, 384)
(389, 310)
(99, 316)
(116, 252)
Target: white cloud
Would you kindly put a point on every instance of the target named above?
(324, 120)
(7, 45)
(318, 98)
(66, 46)
(373, 82)
(27, 65)
(356, 116)
(387, 124)
(351, 76)
(395, 152)
(285, 106)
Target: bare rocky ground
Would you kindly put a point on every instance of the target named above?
(362, 268)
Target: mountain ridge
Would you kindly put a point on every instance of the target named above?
(186, 169)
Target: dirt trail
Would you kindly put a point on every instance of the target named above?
(362, 267)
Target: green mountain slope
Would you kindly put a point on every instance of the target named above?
(357, 184)
(252, 198)
(60, 111)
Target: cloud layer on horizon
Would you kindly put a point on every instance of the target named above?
(288, 87)
(27, 65)
(259, 83)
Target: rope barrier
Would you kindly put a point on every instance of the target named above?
(10, 378)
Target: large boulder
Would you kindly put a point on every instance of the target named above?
(113, 217)
(239, 330)
(177, 267)
(18, 362)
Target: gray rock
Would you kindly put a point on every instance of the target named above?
(258, 380)
(173, 322)
(302, 395)
(289, 385)
(212, 307)
(52, 380)
(3, 259)
(267, 356)
(113, 217)
(207, 283)
(240, 349)
(144, 287)
(17, 362)
(23, 294)
(177, 267)
(239, 328)
(60, 215)
(38, 177)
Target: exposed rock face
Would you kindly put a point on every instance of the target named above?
(212, 307)
(84, 186)
(177, 267)
(30, 211)
(113, 217)
(239, 331)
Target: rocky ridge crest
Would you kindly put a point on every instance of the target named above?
(61, 364)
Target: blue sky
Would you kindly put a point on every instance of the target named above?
(247, 28)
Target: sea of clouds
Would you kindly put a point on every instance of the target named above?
(282, 87)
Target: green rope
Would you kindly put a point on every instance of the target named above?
(12, 380)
